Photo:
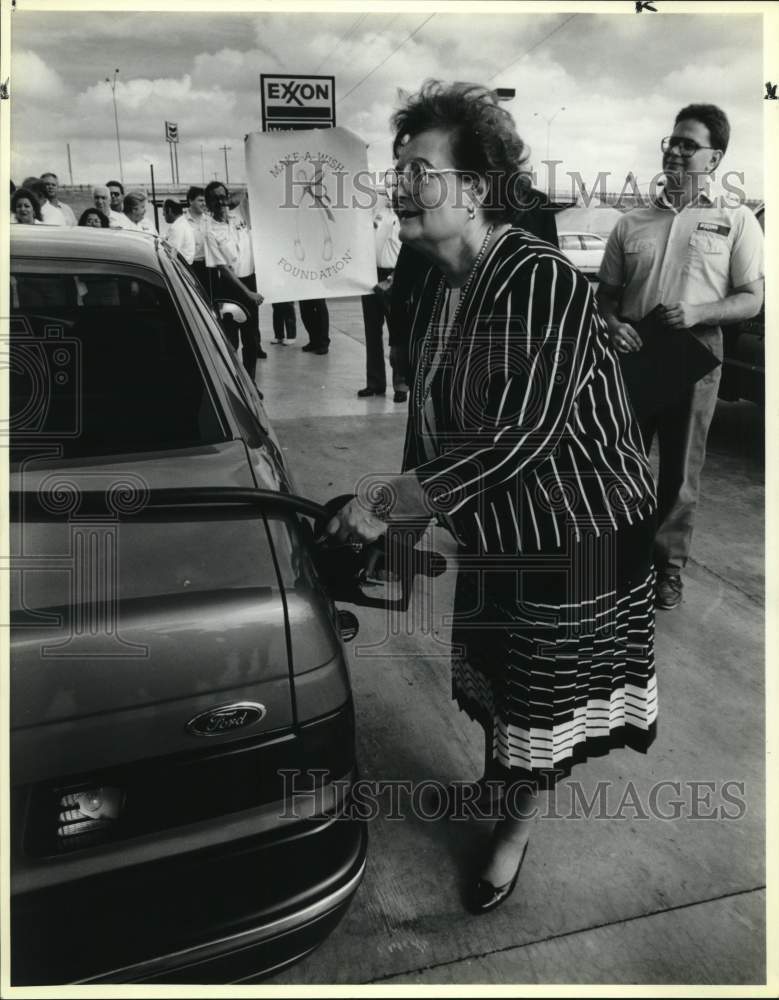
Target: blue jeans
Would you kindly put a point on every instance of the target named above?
(682, 430)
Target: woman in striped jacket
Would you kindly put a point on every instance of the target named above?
(521, 441)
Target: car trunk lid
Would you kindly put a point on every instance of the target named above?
(125, 627)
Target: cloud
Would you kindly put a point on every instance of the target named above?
(232, 69)
(704, 80)
(34, 80)
(620, 78)
(143, 106)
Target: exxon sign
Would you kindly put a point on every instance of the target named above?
(297, 102)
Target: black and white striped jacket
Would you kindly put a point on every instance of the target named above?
(534, 441)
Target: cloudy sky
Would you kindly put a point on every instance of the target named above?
(620, 79)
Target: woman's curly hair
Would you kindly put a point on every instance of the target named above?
(484, 140)
(24, 192)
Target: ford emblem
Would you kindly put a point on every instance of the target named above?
(226, 718)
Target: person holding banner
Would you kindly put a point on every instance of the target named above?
(284, 322)
(244, 268)
(223, 255)
(375, 313)
(316, 320)
(521, 442)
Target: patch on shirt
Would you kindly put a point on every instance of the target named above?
(712, 227)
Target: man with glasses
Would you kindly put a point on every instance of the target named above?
(699, 258)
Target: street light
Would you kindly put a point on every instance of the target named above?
(111, 81)
(537, 114)
(226, 149)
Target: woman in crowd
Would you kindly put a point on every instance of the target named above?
(94, 218)
(520, 440)
(25, 207)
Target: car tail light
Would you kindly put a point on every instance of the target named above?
(87, 811)
(88, 817)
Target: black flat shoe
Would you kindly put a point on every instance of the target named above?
(367, 391)
(262, 355)
(483, 896)
(308, 347)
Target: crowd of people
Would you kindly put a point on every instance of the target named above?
(210, 231)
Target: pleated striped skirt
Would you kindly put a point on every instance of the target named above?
(555, 657)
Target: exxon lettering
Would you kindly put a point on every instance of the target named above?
(296, 93)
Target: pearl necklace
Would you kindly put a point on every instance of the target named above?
(423, 380)
(468, 281)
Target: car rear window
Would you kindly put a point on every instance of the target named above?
(100, 363)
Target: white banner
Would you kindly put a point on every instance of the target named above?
(311, 208)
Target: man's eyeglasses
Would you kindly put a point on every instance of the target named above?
(415, 175)
(686, 147)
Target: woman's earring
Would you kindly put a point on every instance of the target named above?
(471, 212)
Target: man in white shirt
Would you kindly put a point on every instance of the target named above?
(116, 193)
(102, 200)
(700, 260)
(387, 240)
(135, 212)
(187, 234)
(53, 211)
(225, 256)
(244, 268)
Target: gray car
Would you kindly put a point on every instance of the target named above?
(182, 743)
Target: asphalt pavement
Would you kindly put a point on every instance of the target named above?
(663, 882)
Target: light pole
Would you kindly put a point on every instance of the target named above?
(111, 81)
(226, 149)
(537, 114)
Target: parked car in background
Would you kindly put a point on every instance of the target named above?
(585, 250)
(177, 668)
(743, 364)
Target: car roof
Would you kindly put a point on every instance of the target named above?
(122, 246)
